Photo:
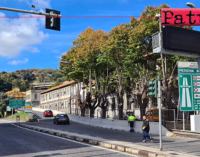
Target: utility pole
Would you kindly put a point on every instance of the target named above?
(30, 12)
(160, 116)
(52, 17)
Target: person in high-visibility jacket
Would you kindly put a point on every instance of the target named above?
(131, 119)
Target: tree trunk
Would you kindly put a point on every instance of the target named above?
(92, 112)
(83, 112)
(120, 107)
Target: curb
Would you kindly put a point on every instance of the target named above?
(120, 148)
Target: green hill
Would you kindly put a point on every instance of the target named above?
(22, 78)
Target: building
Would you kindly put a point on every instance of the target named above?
(35, 72)
(63, 98)
(58, 97)
(16, 94)
(34, 97)
(42, 86)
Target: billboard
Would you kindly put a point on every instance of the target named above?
(180, 17)
(181, 39)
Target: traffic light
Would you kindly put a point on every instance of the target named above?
(53, 22)
(153, 88)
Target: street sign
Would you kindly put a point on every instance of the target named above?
(181, 39)
(177, 41)
(28, 107)
(189, 86)
(180, 16)
(8, 108)
(16, 103)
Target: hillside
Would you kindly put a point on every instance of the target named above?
(22, 78)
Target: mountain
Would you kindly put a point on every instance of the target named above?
(22, 78)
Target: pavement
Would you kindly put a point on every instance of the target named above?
(173, 146)
(17, 142)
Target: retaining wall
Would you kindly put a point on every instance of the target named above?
(113, 124)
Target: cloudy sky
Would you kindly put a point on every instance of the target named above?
(25, 43)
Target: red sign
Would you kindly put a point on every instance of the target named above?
(180, 17)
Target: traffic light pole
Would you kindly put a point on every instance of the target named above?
(29, 12)
(160, 116)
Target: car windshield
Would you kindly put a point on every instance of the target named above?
(147, 114)
(48, 111)
(63, 115)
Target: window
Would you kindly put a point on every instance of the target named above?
(72, 91)
(156, 113)
(67, 90)
(35, 96)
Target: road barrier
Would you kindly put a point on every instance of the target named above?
(113, 124)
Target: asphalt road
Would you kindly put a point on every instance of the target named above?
(178, 144)
(18, 142)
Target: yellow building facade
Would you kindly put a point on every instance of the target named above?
(16, 94)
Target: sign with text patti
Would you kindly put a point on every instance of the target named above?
(180, 17)
(181, 39)
(189, 86)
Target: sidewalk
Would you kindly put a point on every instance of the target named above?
(186, 133)
(123, 146)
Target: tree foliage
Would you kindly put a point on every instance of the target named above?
(121, 61)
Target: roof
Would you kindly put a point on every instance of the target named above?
(59, 86)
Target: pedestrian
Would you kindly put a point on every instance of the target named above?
(145, 129)
(131, 119)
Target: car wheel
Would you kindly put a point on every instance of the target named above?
(67, 122)
(53, 122)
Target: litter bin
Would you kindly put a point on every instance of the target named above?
(17, 118)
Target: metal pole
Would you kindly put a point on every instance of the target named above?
(29, 12)
(12, 112)
(183, 121)
(160, 117)
(178, 111)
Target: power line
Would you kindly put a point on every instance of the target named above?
(74, 16)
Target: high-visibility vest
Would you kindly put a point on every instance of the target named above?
(131, 118)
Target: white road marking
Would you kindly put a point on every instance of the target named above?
(77, 142)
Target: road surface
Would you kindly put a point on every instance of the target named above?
(177, 144)
(18, 142)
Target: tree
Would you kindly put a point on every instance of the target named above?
(16, 83)
(82, 58)
(4, 101)
(41, 77)
(24, 86)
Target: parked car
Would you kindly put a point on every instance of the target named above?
(61, 118)
(48, 113)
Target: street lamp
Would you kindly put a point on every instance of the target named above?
(190, 5)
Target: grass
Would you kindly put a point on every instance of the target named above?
(21, 114)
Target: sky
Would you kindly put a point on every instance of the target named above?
(25, 43)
